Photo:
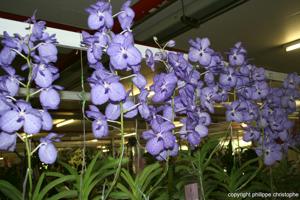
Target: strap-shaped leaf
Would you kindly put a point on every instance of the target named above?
(90, 168)
(38, 186)
(54, 183)
(125, 191)
(69, 168)
(9, 190)
(141, 178)
(64, 194)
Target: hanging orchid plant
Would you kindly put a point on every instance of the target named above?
(188, 89)
(18, 115)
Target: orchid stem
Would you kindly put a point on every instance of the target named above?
(121, 156)
(36, 148)
(117, 14)
(27, 141)
(112, 121)
(126, 77)
(29, 170)
(34, 93)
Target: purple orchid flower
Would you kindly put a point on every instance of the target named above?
(126, 16)
(228, 78)
(270, 153)
(139, 81)
(47, 151)
(8, 141)
(235, 111)
(99, 125)
(47, 53)
(123, 53)
(49, 97)
(150, 59)
(237, 55)
(292, 81)
(163, 86)
(106, 86)
(100, 15)
(260, 90)
(7, 56)
(251, 134)
(22, 115)
(160, 137)
(162, 156)
(200, 51)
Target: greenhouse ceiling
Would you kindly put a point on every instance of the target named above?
(264, 35)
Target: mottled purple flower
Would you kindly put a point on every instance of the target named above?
(258, 74)
(7, 141)
(100, 15)
(150, 59)
(47, 52)
(160, 137)
(207, 98)
(10, 82)
(113, 111)
(237, 54)
(49, 97)
(139, 81)
(126, 15)
(143, 108)
(260, 90)
(47, 122)
(200, 51)
(7, 56)
(251, 133)
(47, 151)
(129, 108)
(228, 78)
(123, 53)
(270, 153)
(99, 124)
(163, 86)
(22, 115)
(292, 81)
(235, 111)
(105, 86)
(162, 156)
(44, 75)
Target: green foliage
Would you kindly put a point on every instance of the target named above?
(95, 175)
(68, 186)
(142, 187)
(10, 191)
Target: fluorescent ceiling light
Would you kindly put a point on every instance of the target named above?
(244, 125)
(292, 46)
(65, 123)
(178, 124)
(129, 134)
(1, 158)
(94, 140)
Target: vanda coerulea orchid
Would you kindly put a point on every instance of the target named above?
(187, 89)
(38, 48)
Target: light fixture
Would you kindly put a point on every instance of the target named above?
(244, 125)
(184, 147)
(292, 45)
(94, 140)
(1, 158)
(65, 123)
(178, 124)
(129, 134)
